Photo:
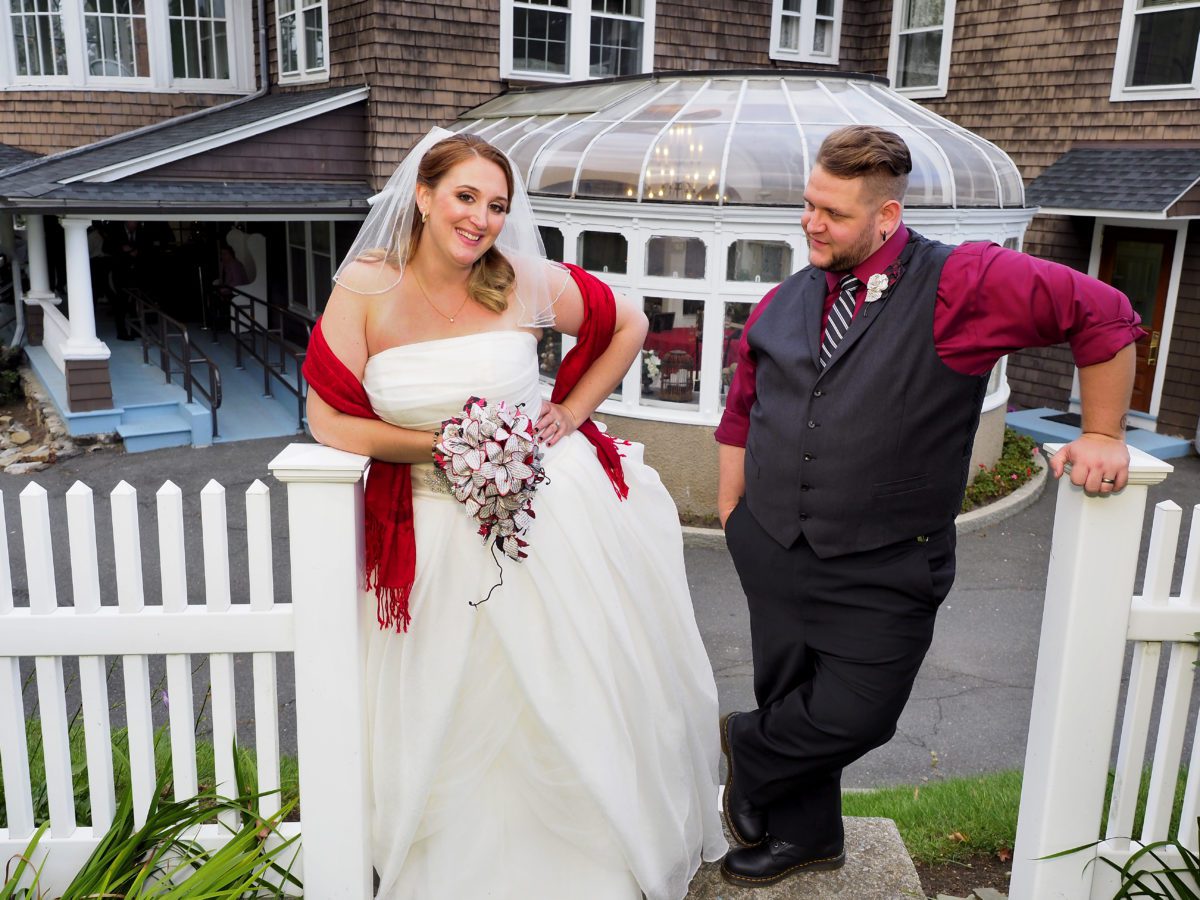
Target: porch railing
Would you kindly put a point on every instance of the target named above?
(177, 352)
(258, 330)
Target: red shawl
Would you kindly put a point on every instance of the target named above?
(391, 550)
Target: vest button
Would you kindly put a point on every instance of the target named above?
(818, 393)
(812, 424)
(808, 457)
(805, 487)
(803, 517)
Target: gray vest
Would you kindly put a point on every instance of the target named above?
(874, 448)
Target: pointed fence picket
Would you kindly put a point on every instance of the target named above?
(320, 627)
(1091, 617)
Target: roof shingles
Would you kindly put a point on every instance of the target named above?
(1138, 179)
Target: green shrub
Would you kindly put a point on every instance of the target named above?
(1016, 465)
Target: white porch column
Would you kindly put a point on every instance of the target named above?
(82, 343)
(39, 267)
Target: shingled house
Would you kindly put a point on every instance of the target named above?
(265, 124)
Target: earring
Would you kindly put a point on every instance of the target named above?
(884, 233)
(424, 217)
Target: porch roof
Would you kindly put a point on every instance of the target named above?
(14, 156)
(1160, 182)
(117, 173)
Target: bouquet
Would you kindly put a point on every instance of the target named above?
(493, 465)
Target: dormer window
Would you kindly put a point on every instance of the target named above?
(302, 37)
(1157, 55)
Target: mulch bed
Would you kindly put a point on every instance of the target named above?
(959, 879)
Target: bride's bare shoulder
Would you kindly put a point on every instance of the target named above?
(371, 274)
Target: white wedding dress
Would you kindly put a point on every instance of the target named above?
(560, 740)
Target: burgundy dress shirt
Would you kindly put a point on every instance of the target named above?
(990, 302)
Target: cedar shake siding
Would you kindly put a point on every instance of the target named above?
(1180, 407)
(329, 147)
(432, 62)
(52, 121)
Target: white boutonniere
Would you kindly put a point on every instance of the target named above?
(876, 285)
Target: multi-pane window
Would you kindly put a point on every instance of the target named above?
(540, 33)
(806, 30)
(115, 38)
(142, 44)
(616, 40)
(1166, 34)
(199, 39)
(576, 39)
(310, 264)
(301, 33)
(38, 44)
(920, 57)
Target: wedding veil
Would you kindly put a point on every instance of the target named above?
(378, 253)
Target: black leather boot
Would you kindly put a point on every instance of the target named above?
(774, 860)
(747, 823)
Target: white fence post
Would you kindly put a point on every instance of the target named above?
(325, 524)
(1093, 560)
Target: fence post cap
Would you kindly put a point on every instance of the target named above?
(1143, 468)
(317, 463)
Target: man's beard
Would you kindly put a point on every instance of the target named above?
(851, 256)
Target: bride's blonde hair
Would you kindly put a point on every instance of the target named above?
(492, 276)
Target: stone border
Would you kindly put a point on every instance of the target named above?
(1006, 506)
(19, 455)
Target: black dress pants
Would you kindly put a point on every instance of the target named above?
(837, 643)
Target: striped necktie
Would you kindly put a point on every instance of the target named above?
(839, 317)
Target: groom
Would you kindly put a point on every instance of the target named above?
(844, 452)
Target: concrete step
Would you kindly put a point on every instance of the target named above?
(878, 867)
(155, 433)
(144, 412)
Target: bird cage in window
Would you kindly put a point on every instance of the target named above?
(675, 377)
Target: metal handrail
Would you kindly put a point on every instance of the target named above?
(266, 343)
(175, 345)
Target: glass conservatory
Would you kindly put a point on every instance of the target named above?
(684, 191)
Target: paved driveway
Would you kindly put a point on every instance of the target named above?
(970, 707)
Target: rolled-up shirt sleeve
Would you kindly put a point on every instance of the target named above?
(735, 422)
(992, 301)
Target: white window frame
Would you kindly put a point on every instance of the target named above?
(579, 38)
(307, 73)
(1121, 91)
(314, 292)
(160, 78)
(808, 19)
(943, 80)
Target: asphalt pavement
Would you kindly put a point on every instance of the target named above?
(969, 709)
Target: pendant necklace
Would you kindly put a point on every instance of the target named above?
(425, 294)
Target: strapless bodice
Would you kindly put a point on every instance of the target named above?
(420, 385)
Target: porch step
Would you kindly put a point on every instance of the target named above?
(155, 433)
(878, 867)
(1055, 426)
(149, 412)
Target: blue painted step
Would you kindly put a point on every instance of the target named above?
(155, 433)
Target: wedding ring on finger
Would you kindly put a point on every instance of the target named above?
(1108, 481)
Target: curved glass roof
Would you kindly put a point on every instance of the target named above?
(728, 138)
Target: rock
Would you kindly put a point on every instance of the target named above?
(5, 421)
(39, 454)
(989, 894)
(20, 437)
(67, 450)
(23, 468)
(11, 455)
(878, 867)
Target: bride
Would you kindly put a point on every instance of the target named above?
(559, 740)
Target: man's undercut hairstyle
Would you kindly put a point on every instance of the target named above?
(878, 156)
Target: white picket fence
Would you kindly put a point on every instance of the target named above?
(1091, 615)
(319, 626)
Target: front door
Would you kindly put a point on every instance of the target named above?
(1137, 262)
